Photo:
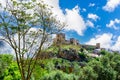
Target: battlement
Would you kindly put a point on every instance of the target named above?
(61, 39)
(91, 47)
(74, 41)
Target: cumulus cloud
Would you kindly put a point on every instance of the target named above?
(89, 23)
(84, 10)
(105, 40)
(113, 23)
(3, 2)
(111, 5)
(116, 46)
(57, 11)
(91, 4)
(75, 21)
(93, 16)
(72, 17)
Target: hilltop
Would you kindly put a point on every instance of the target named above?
(70, 49)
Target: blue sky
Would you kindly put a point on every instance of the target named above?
(89, 21)
(96, 8)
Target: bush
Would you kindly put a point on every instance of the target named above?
(12, 72)
(59, 75)
(103, 52)
(87, 73)
(5, 61)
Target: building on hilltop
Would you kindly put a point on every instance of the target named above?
(74, 41)
(97, 45)
(61, 39)
(91, 47)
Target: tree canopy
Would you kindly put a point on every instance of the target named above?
(26, 26)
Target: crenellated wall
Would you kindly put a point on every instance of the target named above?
(61, 39)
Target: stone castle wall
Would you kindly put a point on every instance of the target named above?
(61, 39)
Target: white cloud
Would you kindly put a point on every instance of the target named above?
(72, 17)
(116, 46)
(91, 4)
(111, 5)
(3, 2)
(57, 11)
(75, 21)
(105, 40)
(93, 16)
(89, 23)
(84, 10)
(113, 23)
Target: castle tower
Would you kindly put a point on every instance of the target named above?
(97, 45)
(60, 38)
(74, 41)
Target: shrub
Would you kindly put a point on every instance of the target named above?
(59, 75)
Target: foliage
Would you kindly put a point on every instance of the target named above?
(26, 25)
(106, 67)
(83, 56)
(8, 68)
(76, 47)
(12, 72)
(5, 61)
(59, 75)
(55, 49)
(103, 52)
(52, 48)
(88, 73)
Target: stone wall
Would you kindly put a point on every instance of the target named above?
(60, 38)
(91, 47)
(97, 45)
(74, 41)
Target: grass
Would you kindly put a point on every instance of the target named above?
(55, 49)
(76, 47)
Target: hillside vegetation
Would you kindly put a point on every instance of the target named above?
(70, 64)
(55, 48)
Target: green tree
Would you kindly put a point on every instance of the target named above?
(115, 63)
(17, 21)
(87, 73)
(103, 52)
(12, 72)
(59, 75)
(5, 61)
(104, 67)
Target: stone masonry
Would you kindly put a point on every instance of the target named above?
(61, 39)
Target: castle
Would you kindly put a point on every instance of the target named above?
(61, 39)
